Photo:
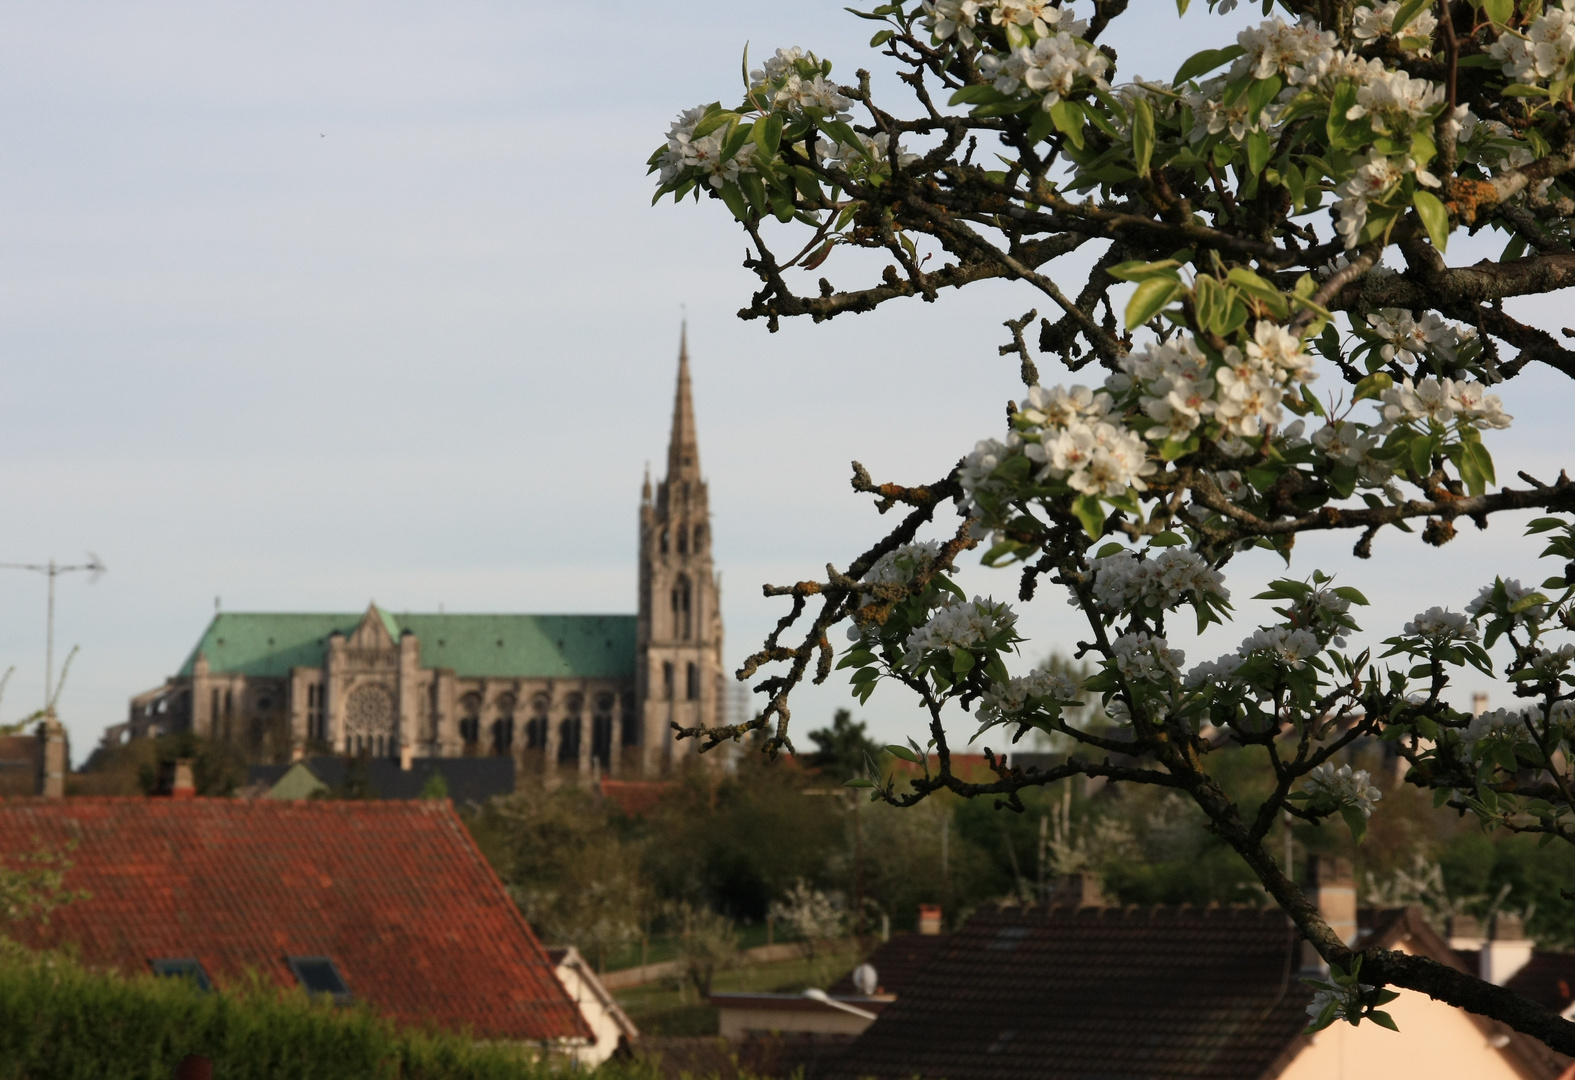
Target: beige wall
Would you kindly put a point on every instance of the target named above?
(1435, 1041)
(741, 1023)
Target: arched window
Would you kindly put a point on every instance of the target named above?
(699, 540)
(631, 722)
(503, 727)
(692, 682)
(683, 626)
(663, 542)
(569, 731)
(683, 540)
(536, 727)
(667, 678)
(602, 731)
(369, 720)
(470, 721)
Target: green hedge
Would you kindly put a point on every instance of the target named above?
(61, 1022)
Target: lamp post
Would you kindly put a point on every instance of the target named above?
(95, 567)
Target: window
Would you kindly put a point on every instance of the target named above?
(184, 967)
(699, 541)
(470, 721)
(683, 540)
(602, 731)
(502, 736)
(681, 622)
(667, 678)
(536, 726)
(664, 540)
(692, 682)
(569, 741)
(320, 975)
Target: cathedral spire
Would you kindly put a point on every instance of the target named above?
(683, 451)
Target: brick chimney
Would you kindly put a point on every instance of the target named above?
(1330, 885)
(929, 919)
(1078, 891)
(1505, 951)
(185, 783)
(51, 779)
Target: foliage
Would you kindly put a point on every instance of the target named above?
(141, 766)
(60, 1020)
(569, 872)
(814, 917)
(843, 750)
(436, 787)
(1231, 223)
(33, 885)
(707, 943)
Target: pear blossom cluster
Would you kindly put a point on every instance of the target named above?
(955, 21)
(1285, 644)
(1002, 701)
(960, 624)
(1409, 340)
(1551, 662)
(1441, 401)
(1544, 50)
(900, 566)
(779, 84)
(1376, 176)
(1439, 626)
(1514, 592)
(1370, 24)
(1123, 581)
(1344, 787)
(1496, 725)
(1345, 442)
(1146, 657)
(684, 151)
(1075, 438)
(1051, 67)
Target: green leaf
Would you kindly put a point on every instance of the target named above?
(1527, 602)
(1407, 12)
(859, 782)
(1149, 299)
(1356, 821)
(975, 95)
(768, 134)
(1257, 151)
(903, 752)
(1500, 11)
(1137, 270)
(1383, 1019)
(1346, 592)
(1087, 510)
(1166, 539)
(1422, 455)
(1068, 119)
(1477, 454)
(1374, 385)
(881, 38)
(1206, 61)
(734, 198)
(962, 662)
(1142, 135)
(1434, 217)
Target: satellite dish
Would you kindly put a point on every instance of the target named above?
(865, 979)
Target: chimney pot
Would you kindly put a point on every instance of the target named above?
(929, 919)
(1506, 949)
(1465, 932)
(185, 783)
(406, 757)
(51, 779)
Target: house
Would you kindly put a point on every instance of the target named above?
(608, 1022)
(465, 780)
(1063, 992)
(387, 903)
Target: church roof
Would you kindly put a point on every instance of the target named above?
(394, 894)
(269, 644)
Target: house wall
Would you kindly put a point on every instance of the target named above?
(1436, 1041)
(743, 1023)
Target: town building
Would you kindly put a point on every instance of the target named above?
(386, 903)
(569, 697)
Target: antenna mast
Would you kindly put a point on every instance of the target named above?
(95, 568)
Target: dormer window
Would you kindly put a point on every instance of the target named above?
(182, 967)
(320, 975)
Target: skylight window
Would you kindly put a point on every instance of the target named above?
(1008, 938)
(320, 975)
(182, 967)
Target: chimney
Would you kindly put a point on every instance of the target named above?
(185, 784)
(1329, 884)
(1465, 932)
(406, 756)
(1479, 702)
(1506, 950)
(1078, 891)
(930, 919)
(51, 757)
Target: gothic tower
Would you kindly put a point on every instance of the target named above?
(680, 625)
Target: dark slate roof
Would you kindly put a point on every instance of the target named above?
(269, 644)
(1114, 994)
(897, 964)
(469, 780)
(1548, 979)
(395, 893)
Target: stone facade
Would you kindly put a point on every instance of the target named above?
(570, 696)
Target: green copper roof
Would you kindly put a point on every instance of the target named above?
(269, 644)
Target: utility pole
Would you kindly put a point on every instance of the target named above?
(95, 568)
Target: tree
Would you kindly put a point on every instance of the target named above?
(1233, 222)
(707, 943)
(842, 749)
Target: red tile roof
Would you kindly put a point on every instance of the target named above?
(635, 798)
(395, 893)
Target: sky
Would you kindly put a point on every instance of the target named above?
(308, 305)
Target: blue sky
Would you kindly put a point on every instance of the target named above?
(304, 305)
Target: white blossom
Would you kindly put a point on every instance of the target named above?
(1051, 66)
(1275, 48)
(1146, 657)
(1544, 51)
(959, 624)
(1514, 592)
(1344, 786)
(1000, 702)
(1409, 340)
(1441, 626)
(1371, 23)
(1282, 643)
(1219, 672)
(1394, 102)
(900, 566)
(946, 19)
(1371, 180)
(1123, 581)
(1498, 725)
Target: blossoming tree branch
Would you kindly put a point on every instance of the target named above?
(1243, 210)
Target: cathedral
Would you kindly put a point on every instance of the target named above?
(567, 696)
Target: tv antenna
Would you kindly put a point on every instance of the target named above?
(95, 570)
